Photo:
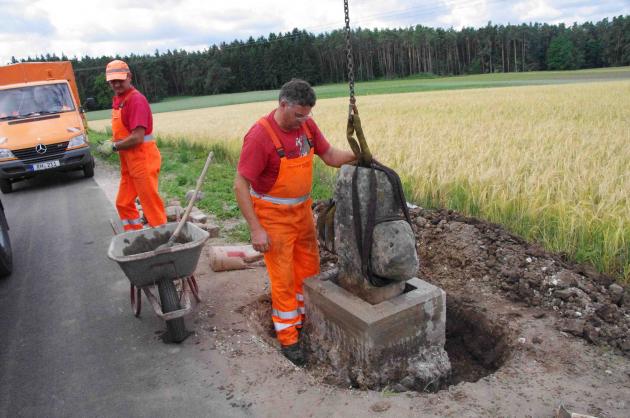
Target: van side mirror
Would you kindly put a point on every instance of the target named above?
(90, 103)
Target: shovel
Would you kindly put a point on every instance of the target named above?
(180, 225)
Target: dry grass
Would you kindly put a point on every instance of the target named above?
(552, 163)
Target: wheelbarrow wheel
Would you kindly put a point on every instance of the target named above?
(170, 302)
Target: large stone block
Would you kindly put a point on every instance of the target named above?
(393, 250)
(370, 346)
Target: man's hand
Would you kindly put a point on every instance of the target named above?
(106, 148)
(260, 240)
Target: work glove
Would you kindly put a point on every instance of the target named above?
(106, 148)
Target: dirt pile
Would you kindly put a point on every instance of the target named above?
(143, 244)
(454, 249)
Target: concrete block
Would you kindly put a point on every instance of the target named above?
(198, 217)
(172, 213)
(375, 345)
(213, 230)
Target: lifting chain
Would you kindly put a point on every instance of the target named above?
(360, 148)
(349, 57)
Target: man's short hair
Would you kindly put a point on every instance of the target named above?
(298, 92)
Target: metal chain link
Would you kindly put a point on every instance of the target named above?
(349, 56)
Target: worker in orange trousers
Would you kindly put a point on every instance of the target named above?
(272, 186)
(140, 159)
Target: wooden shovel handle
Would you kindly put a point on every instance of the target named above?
(181, 223)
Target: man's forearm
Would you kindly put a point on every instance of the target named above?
(260, 239)
(136, 137)
(336, 157)
(241, 191)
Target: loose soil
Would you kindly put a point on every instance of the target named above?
(144, 244)
(552, 333)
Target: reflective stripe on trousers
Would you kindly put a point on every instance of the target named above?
(285, 315)
(279, 326)
(131, 224)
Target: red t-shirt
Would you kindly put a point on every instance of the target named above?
(135, 112)
(260, 163)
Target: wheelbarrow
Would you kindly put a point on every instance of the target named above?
(162, 268)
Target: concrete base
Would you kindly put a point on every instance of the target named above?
(397, 343)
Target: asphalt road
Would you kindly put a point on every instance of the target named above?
(69, 345)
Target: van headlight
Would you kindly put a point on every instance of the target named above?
(77, 141)
(6, 153)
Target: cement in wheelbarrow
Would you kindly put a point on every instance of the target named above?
(149, 267)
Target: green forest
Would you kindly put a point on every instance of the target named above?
(267, 62)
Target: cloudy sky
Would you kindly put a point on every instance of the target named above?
(90, 27)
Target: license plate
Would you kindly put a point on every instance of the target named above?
(45, 165)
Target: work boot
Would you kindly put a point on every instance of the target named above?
(294, 353)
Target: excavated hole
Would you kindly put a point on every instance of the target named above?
(477, 345)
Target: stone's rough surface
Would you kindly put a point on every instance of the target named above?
(391, 257)
(350, 275)
(360, 287)
(373, 346)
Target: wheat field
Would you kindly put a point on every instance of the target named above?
(551, 163)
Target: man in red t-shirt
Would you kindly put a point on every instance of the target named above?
(272, 185)
(132, 128)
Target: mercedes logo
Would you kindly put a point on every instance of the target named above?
(40, 148)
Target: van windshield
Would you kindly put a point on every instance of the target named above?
(31, 101)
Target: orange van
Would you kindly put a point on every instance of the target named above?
(42, 125)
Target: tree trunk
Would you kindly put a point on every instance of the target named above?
(515, 64)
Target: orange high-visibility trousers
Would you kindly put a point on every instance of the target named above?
(285, 214)
(140, 169)
(139, 172)
(292, 257)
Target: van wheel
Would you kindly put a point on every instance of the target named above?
(6, 256)
(6, 186)
(88, 169)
